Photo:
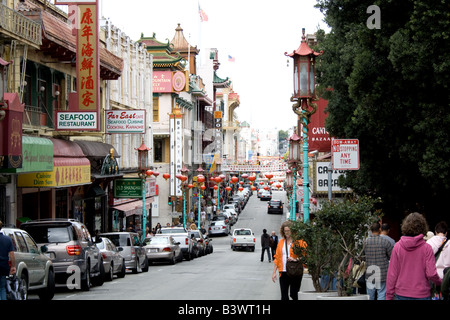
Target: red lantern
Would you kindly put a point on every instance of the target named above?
(215, 187)
(278, 186)
(228, 188)
(270, 182)
(203, 187)
(222, 176)
(234, 179)
(241, 182)
(200, 178)
(252, 178)
(240, 188)
(244, 176)
(261, 183)
(266, 188)
(253, 188)
(218, 179)
(269, 176)
(181, 177)
(155, 173)
(190, 185)
(149, 173)
(166, 176)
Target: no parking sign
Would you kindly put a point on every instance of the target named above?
(345, 154)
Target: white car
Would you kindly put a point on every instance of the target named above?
(243, 238)
(230, 216)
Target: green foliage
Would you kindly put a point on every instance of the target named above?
(349, 221)
(320, 256)
(390, 91)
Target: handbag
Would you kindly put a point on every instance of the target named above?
(294, 269)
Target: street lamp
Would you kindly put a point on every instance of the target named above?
(304, 93)
(143, 174)
(200, 187)
(294, 160)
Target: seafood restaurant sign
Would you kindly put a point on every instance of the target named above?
(125, 121)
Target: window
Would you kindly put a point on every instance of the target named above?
(155, 109)
(32, 247)
(20, 245)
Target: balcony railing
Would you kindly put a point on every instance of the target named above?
(34, 116)
(19, 25)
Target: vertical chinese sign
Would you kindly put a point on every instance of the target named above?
(84, 114)
(176, 152)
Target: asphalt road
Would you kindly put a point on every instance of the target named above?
(222, 275)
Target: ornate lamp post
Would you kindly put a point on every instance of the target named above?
(144, 172)
(200, 187)
(304, 93)
(294, 160)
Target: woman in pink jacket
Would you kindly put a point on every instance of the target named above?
(412, 263)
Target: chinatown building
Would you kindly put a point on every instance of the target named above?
(60, 169)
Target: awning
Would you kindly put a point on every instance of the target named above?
(70, 168)
(134, 207)
(93, 149)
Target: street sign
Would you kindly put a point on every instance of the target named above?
(345, 153)
(128, 188)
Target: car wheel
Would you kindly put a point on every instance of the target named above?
(24, 286)
(86, 281)
(145, 269)
(100, 278)
(110, 275)
(173, 260)
(123, 271)
(48, 293)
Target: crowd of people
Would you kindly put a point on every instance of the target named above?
(413, 268)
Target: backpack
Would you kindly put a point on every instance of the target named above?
(14, 288)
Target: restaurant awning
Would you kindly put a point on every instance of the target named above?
(134, 207)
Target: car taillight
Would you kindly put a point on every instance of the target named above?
(201, 240)
(167, 249)
(281, 207)
(73, 250)
(104, 255)
(254, 239)
(187, 241)
(132, 251)
(223, 227)
(234, 239)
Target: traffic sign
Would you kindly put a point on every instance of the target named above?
(345, 154)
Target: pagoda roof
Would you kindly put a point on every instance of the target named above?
(220, 82)
(163, 53)
(180, 43)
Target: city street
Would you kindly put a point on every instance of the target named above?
(222, 275)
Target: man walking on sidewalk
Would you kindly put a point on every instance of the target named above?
(265, 245)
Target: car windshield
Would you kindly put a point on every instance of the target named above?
(49, 234)
(170, 230)
(157, 240)
(243, 232)
(217, 223)
(119, 240)
(101, 245)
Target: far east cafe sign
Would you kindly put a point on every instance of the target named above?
(84, 105)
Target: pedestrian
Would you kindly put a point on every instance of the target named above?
(406, 278)
(7, 261)
(274, 243)
(377, 252)
(440, 237)
(288, 286)
(158, 228)
(385, 228)
(265, 245)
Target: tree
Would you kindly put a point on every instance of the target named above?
(390, 91)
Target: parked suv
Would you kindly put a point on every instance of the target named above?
(33, 267)
(133, 250)
(69, 245)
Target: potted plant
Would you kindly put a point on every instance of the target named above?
(319, 256)
(349, 220)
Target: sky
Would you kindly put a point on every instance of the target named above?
(256, 33)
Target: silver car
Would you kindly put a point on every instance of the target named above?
(33, 267)
(113, 261)
(133, 251)
(163, 248)
(219, 227)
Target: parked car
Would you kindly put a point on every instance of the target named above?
(33, 267)
(232, 205)
(237, 203)
(71, 249)
(201, 243)
(132, 249)
(229, 216)
(113, 261)
(265, 195)
(181, 235)
(222, 217)
(275, 206)
(163, 248)
(219, 227)
(243, 238)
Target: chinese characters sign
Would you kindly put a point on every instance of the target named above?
(170, 81)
